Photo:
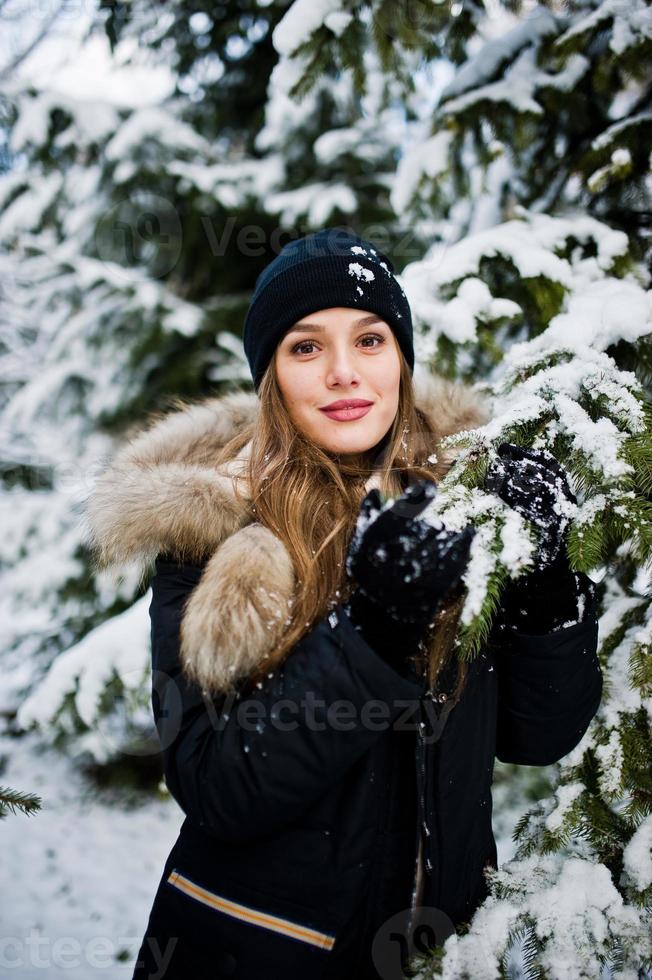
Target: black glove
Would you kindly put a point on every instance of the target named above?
(533, 483)
(396, 642)
(545, 600)
(403, 568)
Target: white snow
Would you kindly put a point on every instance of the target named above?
(593, 301)
(337, 21)
(557, 388)
(529, 243)
(313, 202)
(26, 211)
(577, 912)
(481, 565)
(120, 648)
(82, 871)
(492, 55)
(611, 758)
(455, 507)
(517, 544)
(73, 60)
(328, 146)
(637, 856)
(153, 122)
(429, 158)
(93, 121)
(605, 311)
(616, 129)
(566, 795)
(631, 23)
(365, 143)
(302, 19)
(361, 272)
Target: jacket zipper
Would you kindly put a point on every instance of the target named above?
(422, 823)
(423, 829)
(381, 823)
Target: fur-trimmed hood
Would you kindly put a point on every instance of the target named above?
(162, 493)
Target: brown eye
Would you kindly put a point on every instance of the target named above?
(302, 343)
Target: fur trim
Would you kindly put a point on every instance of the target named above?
(451, 407)
(162, 493)
(240, 607)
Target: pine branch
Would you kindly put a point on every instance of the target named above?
(12, 800)
(633, 616)
(640, 669)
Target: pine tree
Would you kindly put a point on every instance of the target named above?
(564, 390)
(544, 106)
(133, 233)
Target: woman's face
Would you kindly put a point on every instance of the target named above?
(340, 354)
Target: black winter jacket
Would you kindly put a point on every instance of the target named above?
(305, 798)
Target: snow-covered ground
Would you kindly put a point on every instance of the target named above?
(78, 876)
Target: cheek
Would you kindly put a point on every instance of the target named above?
(388, 382)
(295, 387)
(302, 394)
(286, 377)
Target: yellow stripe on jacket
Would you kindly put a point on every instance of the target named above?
(248, 914)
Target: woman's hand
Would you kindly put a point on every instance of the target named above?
(551, 595)
(404, 564)
(533, 483)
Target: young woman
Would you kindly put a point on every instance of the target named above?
(332, 758)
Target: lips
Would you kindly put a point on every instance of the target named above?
(347, 403)
(349, 410)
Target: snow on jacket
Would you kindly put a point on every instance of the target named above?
(304, 819)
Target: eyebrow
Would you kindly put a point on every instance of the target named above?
(319, 328)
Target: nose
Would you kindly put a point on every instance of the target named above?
(341, 370)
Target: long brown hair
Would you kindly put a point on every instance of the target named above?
(310, 499)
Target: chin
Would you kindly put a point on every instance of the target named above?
(343, 447)
(350, 438)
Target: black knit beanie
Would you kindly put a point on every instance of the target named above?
(329, 268)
